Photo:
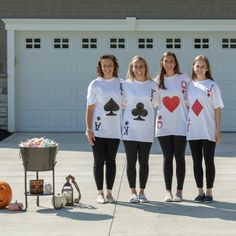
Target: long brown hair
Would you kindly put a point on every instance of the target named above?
(130, 73)
(99, 71)
(202, 58)
(162, 73)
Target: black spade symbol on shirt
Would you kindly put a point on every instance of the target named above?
(139, 111)
(111, 106)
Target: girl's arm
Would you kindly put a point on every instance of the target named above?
(89, 119)
(218, 125)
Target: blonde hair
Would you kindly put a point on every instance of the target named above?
(202, 58)
(130, 73)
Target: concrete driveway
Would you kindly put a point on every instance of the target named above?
(89, 218)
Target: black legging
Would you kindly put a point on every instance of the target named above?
(171, 146)
(104, 152)
(206, 149)
(137, 151)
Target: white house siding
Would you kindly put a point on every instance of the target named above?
(51, 84)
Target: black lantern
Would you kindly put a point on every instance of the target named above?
(67, 191)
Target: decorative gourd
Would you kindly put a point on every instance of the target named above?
(47, 189)
(5, 194)
(17, 206)
(60, 201)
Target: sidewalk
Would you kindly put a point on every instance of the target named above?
(89, 218)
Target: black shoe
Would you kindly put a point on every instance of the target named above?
(208, 199)
(200, 198)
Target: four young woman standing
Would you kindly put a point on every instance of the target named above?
(185, 108)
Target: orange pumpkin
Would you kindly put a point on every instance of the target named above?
(5, 194)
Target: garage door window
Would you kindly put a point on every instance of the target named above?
(173, 43)
(31, 43)
(145, 43)
(61, 43)
(117, 43)
(201, 43)
(228, 43)
(89, 43)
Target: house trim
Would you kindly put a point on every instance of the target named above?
(11, 79)
(128, 24)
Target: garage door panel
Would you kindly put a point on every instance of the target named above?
(81, 119)
(62, 120)
(226, 69)
(61, 94)
(27, 120)
(82, 95)
(228, 94)
(228, 118)
(31, 95)
(86, 62)
(30, 69)
(61, 69)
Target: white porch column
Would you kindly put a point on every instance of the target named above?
(11, 79)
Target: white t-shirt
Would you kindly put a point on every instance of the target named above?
(203, 97)
(107, 97)
(140, 98)
(172, 109)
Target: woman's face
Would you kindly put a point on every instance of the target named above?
(169, 64)
(107, 68)
(200, 68)
(139, 70)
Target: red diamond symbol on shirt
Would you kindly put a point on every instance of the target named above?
(197, 107)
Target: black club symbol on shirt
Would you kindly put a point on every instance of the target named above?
(139, 111)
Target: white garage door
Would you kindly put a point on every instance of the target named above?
(53, 71)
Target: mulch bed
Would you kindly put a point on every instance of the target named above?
(4, 134)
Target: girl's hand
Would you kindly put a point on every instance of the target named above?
(218, 137)
(90, 137)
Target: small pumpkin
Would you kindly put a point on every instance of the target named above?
(60, 201)
(5, 194)
(17, 206)
(47, 189)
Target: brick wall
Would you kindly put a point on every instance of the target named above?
(3, 101)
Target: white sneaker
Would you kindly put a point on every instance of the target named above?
(168, 197)
(142, 198)
(178, 197)
(101, 199)
(134, 198)
(110, 199)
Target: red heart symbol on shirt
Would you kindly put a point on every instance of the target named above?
(171, 103)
